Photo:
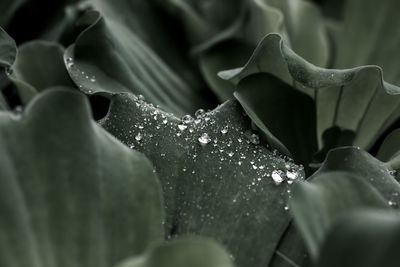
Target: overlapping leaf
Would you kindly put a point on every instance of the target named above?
(213, 174)
(298, 21)
(366, 238)
(359, 91)
(193, 252)
(109, 57)
(38, 66)
(72, 195)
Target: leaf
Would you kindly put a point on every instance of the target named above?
(365, 238)
(285, 116)
(219, 57)
(38, 66)
(361, 163)
(108, 57)
(291, 250)
(336, 92)
(332, 138)
(147, 20)
(71, 194)
(298, 21)
(8, 50)
(390, 147)
(316, 205)
(226, 181)
(3, 103)
(193, 252)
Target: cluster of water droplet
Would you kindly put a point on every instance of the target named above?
(82, 78)
(227, 150)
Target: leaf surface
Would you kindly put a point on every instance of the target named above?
(71, 194)
(226, 181)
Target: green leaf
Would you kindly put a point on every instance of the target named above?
(291, 250)
(390, 147)
(193, 252)
(285, 116)
(71, 194)
(38, 66)
(298, 21)
(147, 20)
(8, 49)
(361, 163)
(367, 238)
(222, 56)
(317, 205)
(224, 182)
(360, 91)
(3, 103)
(108, 57)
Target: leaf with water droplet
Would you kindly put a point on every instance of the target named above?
(200, 182)
(122, 62)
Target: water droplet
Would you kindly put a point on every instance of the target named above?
(204, 139)
(9, 71)
(292, 175)
(286, 208)
(230, 154)
(224, 130)
(253, 138)
(141, 97)
(197, 121)
(199, 112)
(277, 177)
(187, 119)
(138, 137)
(165, 121)
(182, 127)
(93, 79)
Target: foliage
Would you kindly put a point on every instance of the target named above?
(199, 133)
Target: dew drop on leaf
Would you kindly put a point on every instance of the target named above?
(138, 137)
(187, 119)
(204, 139)
(199, 112)
(182, 127)
(277, 176)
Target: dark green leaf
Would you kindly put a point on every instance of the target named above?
(332, 138)
(71, 194)
(226, 182)
(368, 238)
(390, 147)
(285, 116)
(183, 253)
(108, 57)
(361, 163)
(317, 205)
(360, 91)
(222, 56)
(3, 103)
(38, 66)
(8, 50)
